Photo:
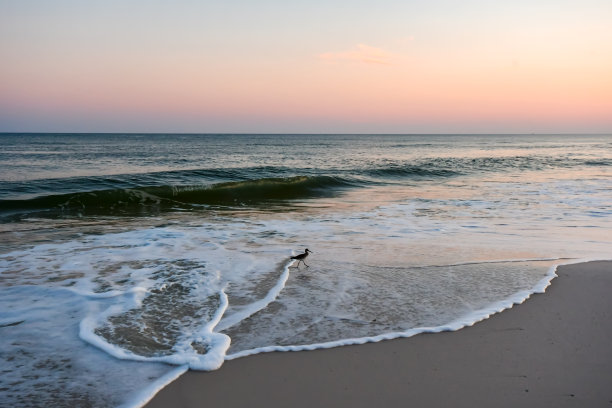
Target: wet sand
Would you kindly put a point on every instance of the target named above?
(554, 350)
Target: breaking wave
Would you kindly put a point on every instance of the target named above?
(153, 199)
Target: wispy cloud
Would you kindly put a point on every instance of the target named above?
(360, 53)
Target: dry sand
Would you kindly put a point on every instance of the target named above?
(554, 350)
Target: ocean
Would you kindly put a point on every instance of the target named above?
(126, 259)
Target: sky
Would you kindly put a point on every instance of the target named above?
(279, 66)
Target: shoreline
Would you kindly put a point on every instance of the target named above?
(551, 350)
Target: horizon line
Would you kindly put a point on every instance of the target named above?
(315, 133)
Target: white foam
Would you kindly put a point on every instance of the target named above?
(137, 293)
(252, 308)
(141, 255)
(184, 353)
(46, 352)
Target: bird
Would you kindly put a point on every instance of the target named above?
(301, 257)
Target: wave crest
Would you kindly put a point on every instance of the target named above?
(151, 200)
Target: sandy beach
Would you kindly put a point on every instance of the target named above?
(551, 351)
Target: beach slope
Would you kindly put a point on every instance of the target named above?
(554, 350)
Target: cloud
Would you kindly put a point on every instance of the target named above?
(360, 53)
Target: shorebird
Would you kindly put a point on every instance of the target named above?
(301, 257)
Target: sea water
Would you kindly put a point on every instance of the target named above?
(127, 259)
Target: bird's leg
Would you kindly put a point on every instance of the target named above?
(306, 264)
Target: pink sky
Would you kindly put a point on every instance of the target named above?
(401, 68)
